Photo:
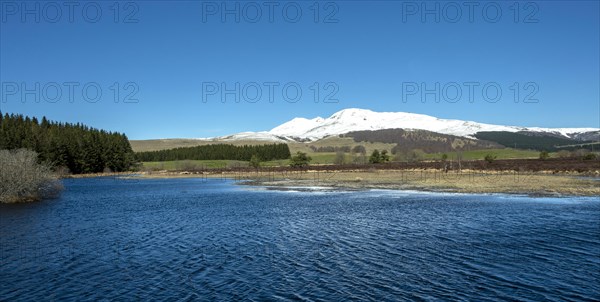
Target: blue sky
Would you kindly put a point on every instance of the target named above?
(361, 54)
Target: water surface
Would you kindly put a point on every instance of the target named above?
(188, 239)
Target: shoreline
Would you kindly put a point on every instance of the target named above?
(286, 185)
(468, 181)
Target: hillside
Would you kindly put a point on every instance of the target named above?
(350, 120)
(430, 142)
(534, 141)
(385, 130)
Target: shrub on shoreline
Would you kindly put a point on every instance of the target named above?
(23, 179)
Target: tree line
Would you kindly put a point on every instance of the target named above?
(219, 152)
(77, 147)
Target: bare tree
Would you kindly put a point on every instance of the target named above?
(563, 154)
(23, 179)
(459, 157)
(187, 165)
(340, 158)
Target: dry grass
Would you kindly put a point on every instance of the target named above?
(163, 144)
(427, 180)
(467, 182)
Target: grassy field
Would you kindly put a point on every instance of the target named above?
(192, 164)
(162, 144)
(325, 158)
(507, 153)
(318, 158)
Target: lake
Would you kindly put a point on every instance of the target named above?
(210, 239)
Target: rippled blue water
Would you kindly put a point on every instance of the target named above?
(187, 239)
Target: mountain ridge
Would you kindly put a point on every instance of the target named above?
(344, 121)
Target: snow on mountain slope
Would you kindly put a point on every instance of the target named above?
(348, 120)
(255, 136)
(297, 127)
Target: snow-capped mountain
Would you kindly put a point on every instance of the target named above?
(347, 120)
